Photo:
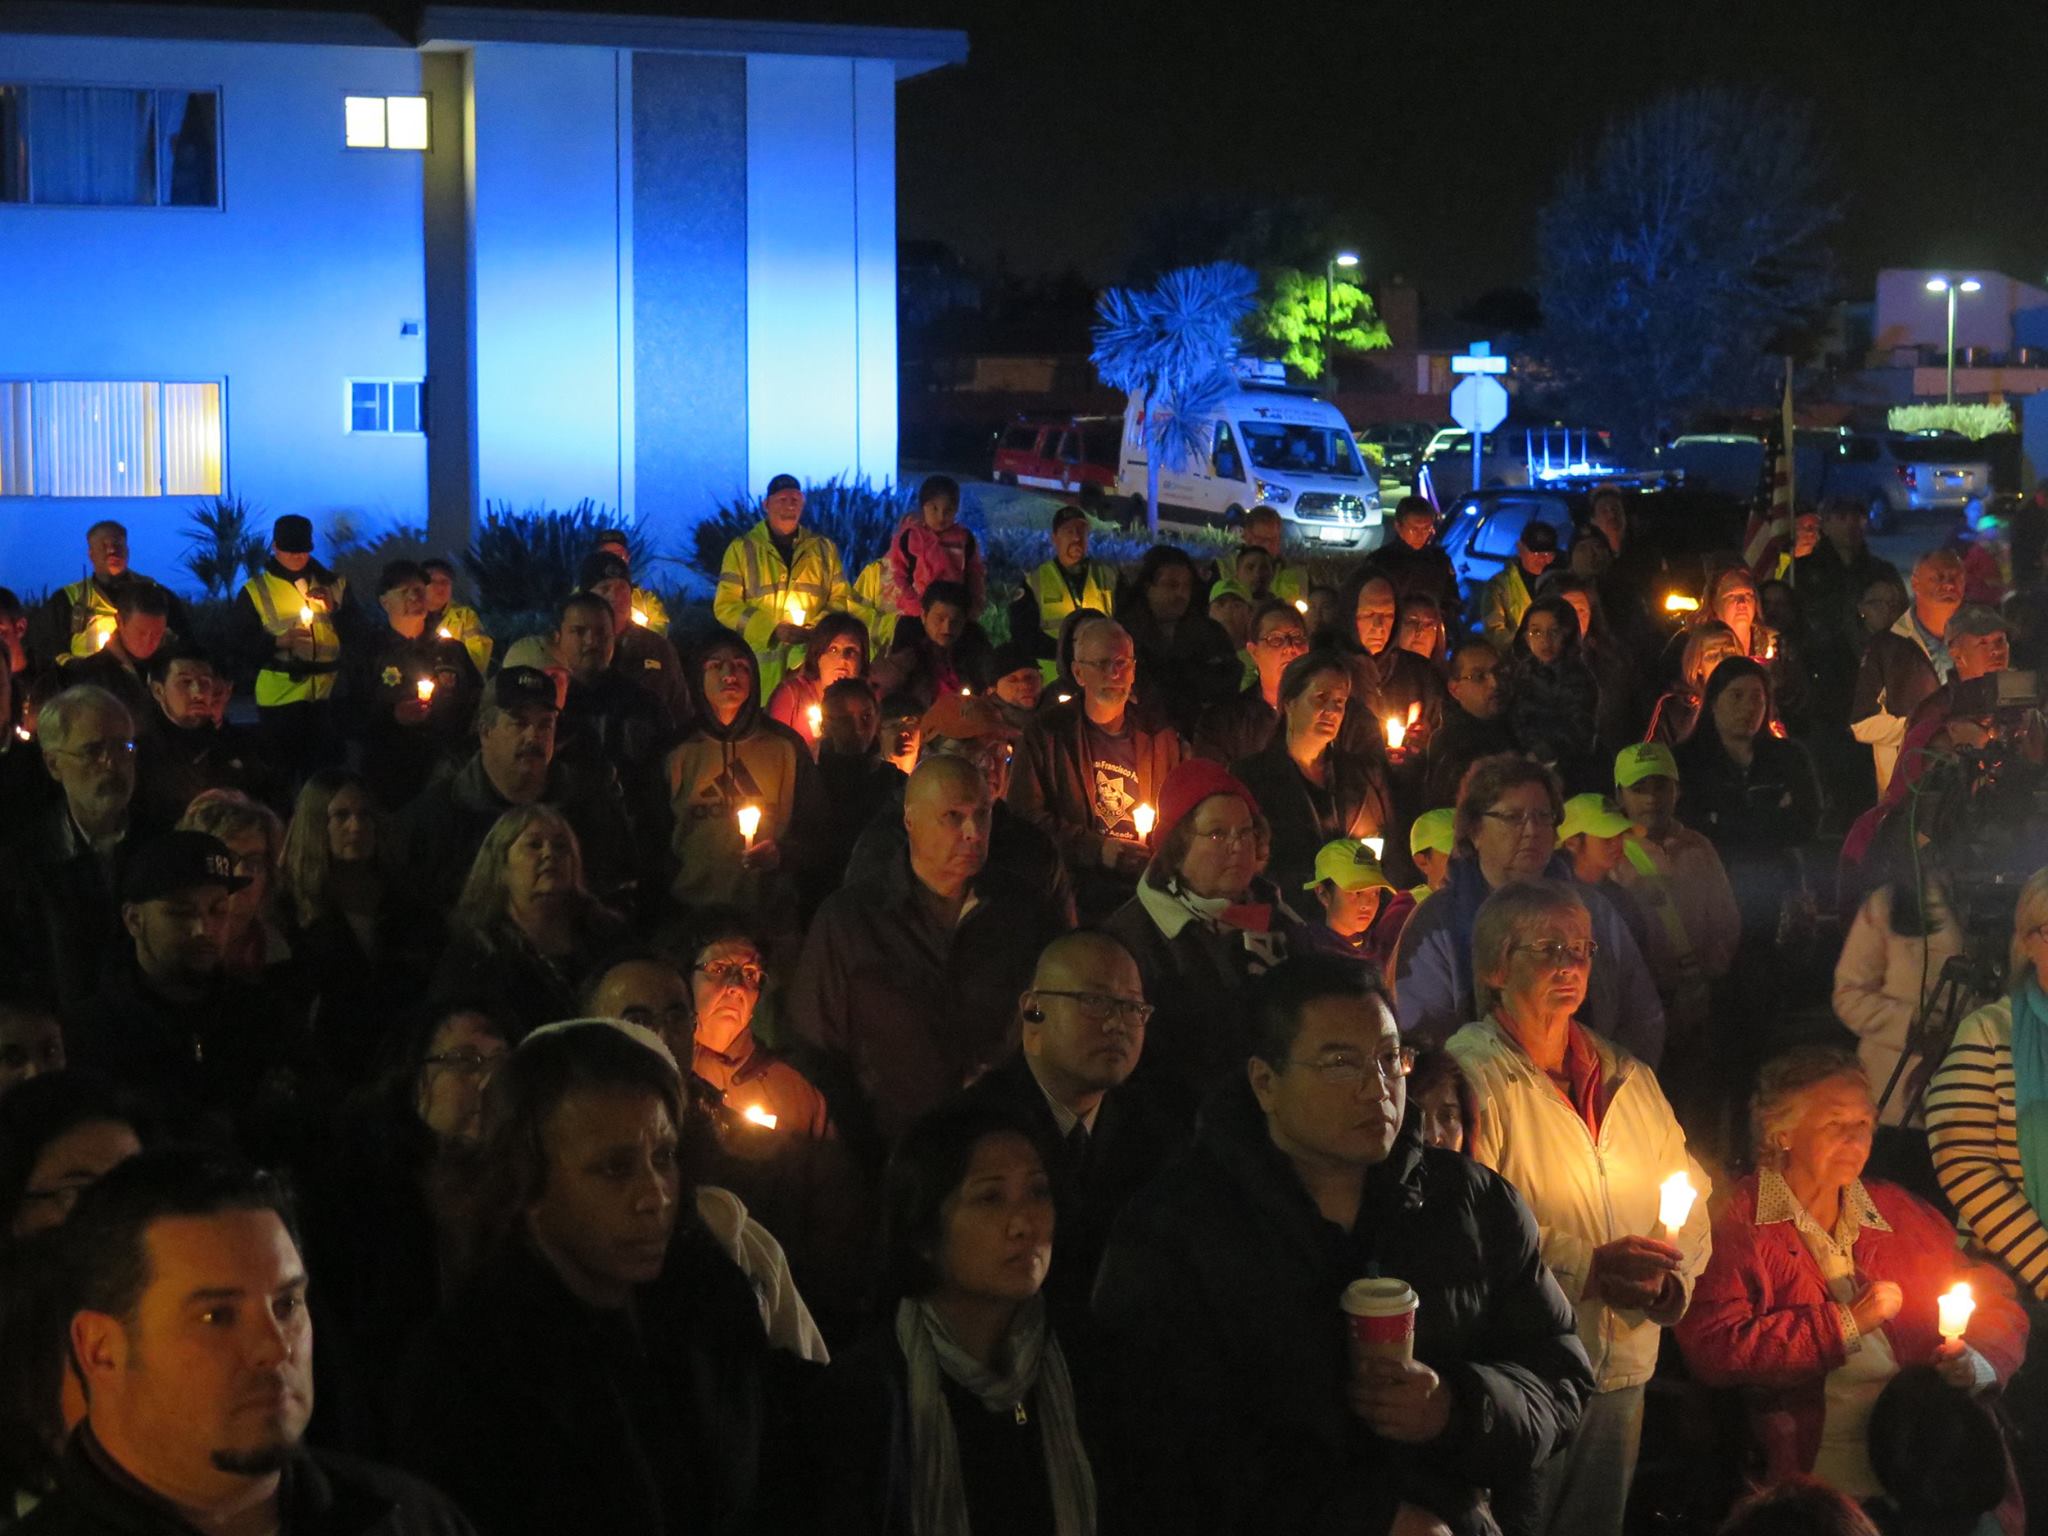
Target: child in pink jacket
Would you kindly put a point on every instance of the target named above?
(930, 545)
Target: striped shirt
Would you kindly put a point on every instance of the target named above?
(1974, 1128)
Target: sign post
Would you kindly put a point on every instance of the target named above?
(1479, 403)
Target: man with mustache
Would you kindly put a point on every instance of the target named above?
(189, 1331)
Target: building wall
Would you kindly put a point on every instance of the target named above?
(2002, 314)
(301, 280)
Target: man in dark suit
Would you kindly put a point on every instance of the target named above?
(1082, 1023)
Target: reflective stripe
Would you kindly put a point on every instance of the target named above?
(92, 617)
(1056, 599)
(278, 604)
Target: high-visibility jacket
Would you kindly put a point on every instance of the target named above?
(92, 617)
(1056, 599)
(1290, 582)
(756, 587)
(465, 624)
(872, 600)
(307, 649)
(652, 609)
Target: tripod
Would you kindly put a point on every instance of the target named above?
(1965, 983)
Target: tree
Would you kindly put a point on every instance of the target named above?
(1671, 261)
(1171, 347)
(1292, 314)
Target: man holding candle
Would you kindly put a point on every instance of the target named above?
(1824, 1285)
(774, 567)
(1583, 1132)
(411, 697)
(292, 626)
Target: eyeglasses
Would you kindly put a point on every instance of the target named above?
(1523, 821)
(733, 973)
(1102, 1007)
(1343, 1069)
(101, 754)
(1113, 666)
(467, 1063)
(1289, 640)
(1229, 837)
(1560, 955)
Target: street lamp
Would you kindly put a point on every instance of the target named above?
(1345, 259)
(1939, 284)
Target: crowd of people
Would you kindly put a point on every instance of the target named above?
(1261, 1044)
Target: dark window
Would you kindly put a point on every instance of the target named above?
(109, 147)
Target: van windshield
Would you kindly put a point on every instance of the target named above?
(1298, 449)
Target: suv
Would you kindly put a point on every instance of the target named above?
(1400, 444)
(1071, 454)
(1895, 472)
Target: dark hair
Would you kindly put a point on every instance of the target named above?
(953, 594)
(579, 599)
(1565, 614)
(831, 627)
(1305, 668)
(40, 1110)
(933, 487)
(1414, 506)
(435, 563)
(158, 668)
(529, 1087)
(143, 596)
(400, 573)
(1798, 1506)
(1281, 996)
(847, 688)
(1157, 559)
(1488, 778)
(106, 1252)
(899, 704)
(1937, 1451)
(1433, 1069)
(10, 602)
(1464, 644)
(1272, 606)
(1732, 669)
(923, 1174)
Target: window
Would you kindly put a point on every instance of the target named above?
(109, 438)
(384, 122)
(109, 147)
(387, 405)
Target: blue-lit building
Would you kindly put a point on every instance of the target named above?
(304, 259)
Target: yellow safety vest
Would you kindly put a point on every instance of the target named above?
(652, 609)
(872, 600)
(282, 606)
(756, 587)
(92, 618)
(1290, 582)
(1056, 600)
(460, 623)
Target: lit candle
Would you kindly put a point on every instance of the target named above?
(306, 614)
(795, 612)
(1954, 1307)
(426, 689)
(443, 632)
(1674, 1202)
(23, 733)
(1066, 698)
(640, 617)
(100, 639)
(750, 823)
(1678, 602)
(1143, 818)
(1301, 606)
(756, 1115)
(1397, 732)
(816, 717)
(1378, 845)
(966, 693)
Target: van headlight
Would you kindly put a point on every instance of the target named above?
(1271, 494)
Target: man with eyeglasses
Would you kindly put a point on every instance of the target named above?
(1414, 561)
(1236, 728)
(1475, 722)
(64, 860)
(1082, 1024)
(1090, 765)
(1227, 1380)
(1586, 1136)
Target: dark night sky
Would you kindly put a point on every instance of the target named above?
(1438, 130)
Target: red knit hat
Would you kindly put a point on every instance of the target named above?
(1195, 780)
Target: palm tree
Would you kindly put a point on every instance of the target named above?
(1169, 347)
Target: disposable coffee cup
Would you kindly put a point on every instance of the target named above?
(1380, 1320)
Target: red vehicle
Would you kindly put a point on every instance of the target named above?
(1075, 455)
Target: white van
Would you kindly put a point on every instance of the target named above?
(1268, 443)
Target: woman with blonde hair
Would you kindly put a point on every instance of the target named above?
(526, 930)
(1677, 712)
(254, 837)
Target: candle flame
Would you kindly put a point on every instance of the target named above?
(1066, 698)
(444, 633)
(1396, 729)
(1143, 818)
(640, 617)
(750, 822)
(755, 1114)
(795, 611)
(426, 689)
(100, 639)
(1954, 1306)
(1378, 845)
(816, 717)
(1301, 606)
(1675, 1197)
(23, 732)
(305, 613)
(1678, 602)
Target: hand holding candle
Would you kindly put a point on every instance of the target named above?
(749, 817)
(426, 690)
(1954, 1307)
(306, 614)
(814, 717)
(1143, 819)
(754, 1114)
(794, 611)
(1397, 732)
(1674, 1202)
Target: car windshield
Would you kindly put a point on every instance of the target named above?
(1933, 450)
(1299, 449)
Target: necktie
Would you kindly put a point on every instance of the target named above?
(1077, 1148)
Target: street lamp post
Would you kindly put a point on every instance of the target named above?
(1939, 284)
(1346, 259)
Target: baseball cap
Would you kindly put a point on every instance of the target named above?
(1539, 535)
(964, 717)
(179, 861)
(1593, 814)
(602, 565)
(1228, 588)
(531, 651)
(1644, 760)
(783, 483)
(1434, 832)
(1350, 864)
(514, 687)
(292, 534)
(1976, 619)
(1067, 514)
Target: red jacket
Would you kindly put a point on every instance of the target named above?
(1762, 1317)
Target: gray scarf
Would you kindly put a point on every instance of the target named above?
(1035, 1362)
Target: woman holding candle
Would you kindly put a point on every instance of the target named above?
(1584, 1133)
(1387, 682)
(838, 649)
(1823, 1286)
(1309, 787)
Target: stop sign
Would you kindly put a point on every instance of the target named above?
(1479, 404)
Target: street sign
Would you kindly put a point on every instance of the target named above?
(1479, 360)
(1479, 404)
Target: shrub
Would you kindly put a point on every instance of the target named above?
(521, 564)
(224, 546)
(855, 515)
(1973, 421)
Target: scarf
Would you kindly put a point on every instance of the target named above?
(2030, 1086)
(940, 1498)
(1252, 920)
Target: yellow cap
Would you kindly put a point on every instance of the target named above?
(1644, 760)
(1434, 832)
(1595, 814)
(1228, 588)
(1351, 863)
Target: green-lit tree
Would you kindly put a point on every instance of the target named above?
(1296, 312)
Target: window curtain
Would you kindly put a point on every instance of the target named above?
(17, 440)
(99, 439)
(191, 439)
(92, 145)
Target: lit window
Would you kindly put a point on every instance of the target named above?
(384, 122)
(109, 147)
(109, 438)
(387, 405)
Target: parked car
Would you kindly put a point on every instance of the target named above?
(1400, 444)
(1073, 455)
(1515, 453)
(1281, 446)
(1890, 473)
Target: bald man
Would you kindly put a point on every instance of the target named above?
(909, 980)
(1082, 1027)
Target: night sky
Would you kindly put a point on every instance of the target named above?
(1438, 130)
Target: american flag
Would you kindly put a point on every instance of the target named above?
(1769, 532)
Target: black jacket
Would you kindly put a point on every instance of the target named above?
(1456, 744)
(321, 1493)
(1237, 727)
(1355, 803)
(1424, 572)
(173, 763)
(381, 677)
(63, 908)
(1023, 852)
(1218, 1300)
(543, 1415)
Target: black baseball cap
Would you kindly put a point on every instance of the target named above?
(783, 483)
(179, 861)
(292, 534)
(1066, 515)
(400, 573)
(515, 687)
(1539, 536)
(602, 566)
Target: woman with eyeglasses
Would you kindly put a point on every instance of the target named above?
(1245, 724)
(1311, 789)
(1506, 825)
(1583, 1132)
(1204, 923)
(836, 650)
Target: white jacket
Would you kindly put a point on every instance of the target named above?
(753, 1247)
(1877, 979)
(1585, 1193)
